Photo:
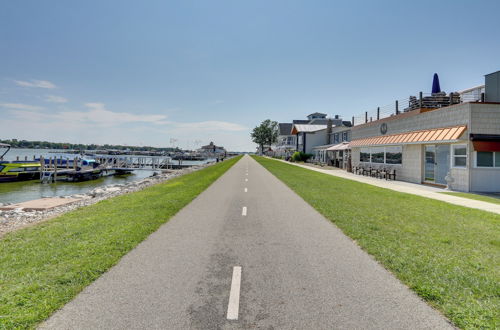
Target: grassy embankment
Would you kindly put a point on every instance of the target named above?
(449, 255)
(45, 266)
(477, 197)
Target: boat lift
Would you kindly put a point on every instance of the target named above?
(60, 166)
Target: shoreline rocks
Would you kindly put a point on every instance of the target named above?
(15, 219)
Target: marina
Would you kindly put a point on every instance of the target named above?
(21, 191)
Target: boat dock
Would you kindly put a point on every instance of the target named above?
(95, 166)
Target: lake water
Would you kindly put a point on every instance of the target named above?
(15, 192)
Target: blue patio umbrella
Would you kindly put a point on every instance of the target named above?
(435, 84)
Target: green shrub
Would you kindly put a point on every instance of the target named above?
(305, 157)
(296, 157)
(300, 156)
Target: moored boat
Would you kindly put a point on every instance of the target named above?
(18, 170)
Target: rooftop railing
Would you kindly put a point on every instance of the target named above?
(424, 100)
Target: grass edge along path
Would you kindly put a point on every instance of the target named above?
(473, 196)
(44, 266)
(448, 254)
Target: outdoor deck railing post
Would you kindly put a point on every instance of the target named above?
(42, 163)
(482, 97)
(378, 113)
(397, 107)
(352, 120)
(420, 99)
(54, 177)
(366, 116)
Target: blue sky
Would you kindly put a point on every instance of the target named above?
(146, 72)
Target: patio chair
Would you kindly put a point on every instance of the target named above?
(366, 170)
(391, 174)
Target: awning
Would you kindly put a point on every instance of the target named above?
(485, 142)
(323, 147)
(340, 146)
(306, 128)
(445, 134)
(486, 146)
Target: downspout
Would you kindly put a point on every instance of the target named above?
(329, 126)
(469, 149)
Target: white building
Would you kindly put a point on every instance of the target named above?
(309, 136)
(286, 144)
(212, 149)
(457, 145)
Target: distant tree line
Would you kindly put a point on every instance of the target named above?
(15, 143)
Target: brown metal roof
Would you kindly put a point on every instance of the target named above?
(428, 135)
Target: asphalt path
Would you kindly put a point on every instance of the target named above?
(247, 253)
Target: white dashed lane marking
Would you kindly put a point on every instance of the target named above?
(234, 295)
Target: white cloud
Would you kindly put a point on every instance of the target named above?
(96, 124)
(35, 83)
(56, 99)
(98, 113)
(20, 106)
(212, 125)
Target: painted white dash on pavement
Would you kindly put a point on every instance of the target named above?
(234, 296)
(244, 211)
(246, 189)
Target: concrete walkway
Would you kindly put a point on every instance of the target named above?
(248, 253)
(407, 187)
(41, 204)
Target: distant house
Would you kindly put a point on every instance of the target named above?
(286, 143)
(212, 149)
(308, 136)
(318, 133)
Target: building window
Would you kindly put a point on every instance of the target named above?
(382, 155)
(364, 155)
(300, 139)
(377, 154)
(344, 136)
(487, 159)
(394, 155)
(459, 155)
(336, 138)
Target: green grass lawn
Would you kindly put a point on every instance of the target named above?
(478, 197)
(44, 266)
(449, 255)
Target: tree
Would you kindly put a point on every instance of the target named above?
(265, 134)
